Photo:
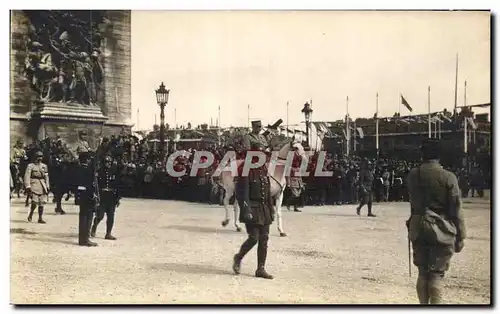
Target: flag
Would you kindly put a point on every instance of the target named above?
(405, 103)
(471, 123)
(361, 133)
(445, 117)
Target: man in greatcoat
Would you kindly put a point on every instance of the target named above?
(433, 188)
(256, 209)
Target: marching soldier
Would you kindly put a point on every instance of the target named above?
(365, 186)
(434, 199)
(109, 198)
(257, 211)
(87, 198)
(36, 180)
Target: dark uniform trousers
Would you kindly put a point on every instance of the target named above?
(86, 201)
(85, 222)
(254, 190)
(107, 206)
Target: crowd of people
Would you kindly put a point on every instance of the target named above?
(142, 173)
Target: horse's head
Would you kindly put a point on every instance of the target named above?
(293, 145)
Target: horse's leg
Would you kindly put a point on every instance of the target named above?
(277, 206)
(236, 214)
(228, 192)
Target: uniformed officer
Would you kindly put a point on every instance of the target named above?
(109, 198)
(257, 211)
(18, 153)
(36, 181)
(87, 198)
(365, 188)
(82, 145)
(254, 139)
(434, 195)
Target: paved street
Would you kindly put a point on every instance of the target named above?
(177, 252)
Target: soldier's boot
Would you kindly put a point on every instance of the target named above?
(40, 215)
(296, 209)
(110, 219)
(244, 249)
(94, 228)
(88, 229)
(370, 214)
(32, 210)
(261, 258)
(237, 264)
(435, 288)
(422, 289)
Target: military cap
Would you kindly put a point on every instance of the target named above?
(82, 132)
(38, 154)
(256, 123)
(108, 158)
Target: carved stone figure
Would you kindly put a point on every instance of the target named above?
(62, 60)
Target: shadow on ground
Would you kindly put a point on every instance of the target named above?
(20, 221)
(200, 229)
(51, 240)
(190, 269)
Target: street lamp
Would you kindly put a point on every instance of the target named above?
(307, 113)
(162, 100)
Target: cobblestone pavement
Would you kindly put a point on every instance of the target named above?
(177, 252)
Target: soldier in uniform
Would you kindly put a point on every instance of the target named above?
(86, 198)
(365, 188)
(109, 198)
(82, 145)
(257, 211)
(36, 180)
(434, 189)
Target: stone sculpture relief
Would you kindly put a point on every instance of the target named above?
(63, 55)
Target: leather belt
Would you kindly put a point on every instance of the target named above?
(107, 190)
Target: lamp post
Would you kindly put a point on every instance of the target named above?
(162, 100)
(307, 113)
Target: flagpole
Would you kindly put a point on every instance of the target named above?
(137, 119)
(465, 119)
(354, 137)
(456, 84)
(287, 135)
(248, 116)
(376, 124)
(429, 109)
(218, 126)
(347, 133)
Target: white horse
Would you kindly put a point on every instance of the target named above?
(277, 181)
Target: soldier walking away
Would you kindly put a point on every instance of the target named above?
(257, 212)
(295, 188)
(365, 188)
(109, 198)
(436, 226)
(86, 196)
(36, 180)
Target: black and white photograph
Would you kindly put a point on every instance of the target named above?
(335, 157)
